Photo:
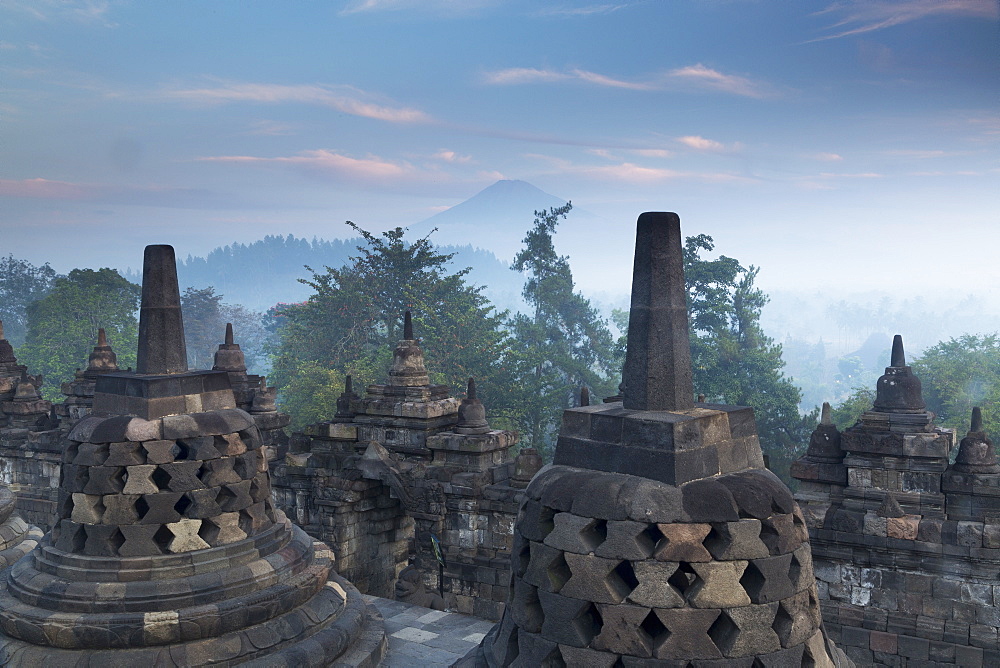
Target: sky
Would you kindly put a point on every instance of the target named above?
(844, 145)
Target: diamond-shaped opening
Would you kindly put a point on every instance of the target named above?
(794, 571)
(245, 467)
(512, 647)
(162, 538)
(225, 499)
(622, 580)
(78, 539)
(141, 507)
(808, 660)
(246, 522)
(65, 505)
(769, 535)
(683, 578)
(723, 632)
(160, 478)
(558, 572)
(546, 521)
(776, 507)
(753, 581)
(70, 453)
(182, 504)
(522, 559)
(81, 477)
(649, 538)
(757, 663)
(180, 451)
(715, 542)
(554, 659)
(782, 625)
(530, 609)
(655, 633)
(258, 492)
(594, 534)
(209, 532)
(269, 509)
(588, 623)
(115, 541)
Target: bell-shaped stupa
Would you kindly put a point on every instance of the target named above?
(657, 537)
(168, 550)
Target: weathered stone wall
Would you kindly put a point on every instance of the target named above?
(29, 465)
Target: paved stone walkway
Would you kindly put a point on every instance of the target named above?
(423, 637)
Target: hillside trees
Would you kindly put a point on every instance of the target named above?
(21, 283)
(352, 322)
(62, 326)
(205, 318)
(561, 344)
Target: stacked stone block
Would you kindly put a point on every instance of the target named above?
(907, 546)
(657, 537)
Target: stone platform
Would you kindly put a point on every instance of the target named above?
(423, 637)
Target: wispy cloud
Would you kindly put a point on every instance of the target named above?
(155, 195)
(460, 7)
(861, 16)
(369, 168)
(587, 10)
(699, 143)
(82, 11)
(631, 172)
(267, 128)
(826, 157)
(692, 76)
(346, 99)
(450, 156)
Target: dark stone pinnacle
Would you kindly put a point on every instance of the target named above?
(407, 327)
(161, 326)
(898, 358)
(657, 373)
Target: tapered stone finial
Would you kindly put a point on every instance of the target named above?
(898, 390)
(1, 330)
(898, 358)
(161, 326)
(825, 418)
(657, 373)
(471, 413)
(6, 350)
(345, 402)
(976, 425)
(584, 396)
(102, 359)
(229, 334)
(407, 326)
(102, 338)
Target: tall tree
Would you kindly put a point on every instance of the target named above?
(21, 283)
(62, 326)
(351, 323)
(562, 344)
(204, 327)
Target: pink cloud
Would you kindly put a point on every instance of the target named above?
(345, 99)
(706, 77)
(862, 16)
(323, 160)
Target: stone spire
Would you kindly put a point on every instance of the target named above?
(976, 453)
(898, 391)
(229, 357)
(345, 402)
(408, 368)
(6, 350)
(657, 537)
(584, 395)
(103, 358)
(471, 413)
(657, 373)
(161, 328)
(824, 444)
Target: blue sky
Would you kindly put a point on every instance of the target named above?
(835, 144)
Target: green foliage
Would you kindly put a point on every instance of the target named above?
(62, 326)
(311, 394)
(957, 375)
(353, 320)
(733, 361)
(561, 346)
(204, 328)
(848, 412)
(21, 283)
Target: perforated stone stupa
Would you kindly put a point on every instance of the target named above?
(657, 537)
(168, 550)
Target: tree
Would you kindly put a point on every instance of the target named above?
(205, 318)
(957, 375)
(21, 283)
(848, 412)
(733, 361)
(62, 326)
(352, 322)
(562, 344)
